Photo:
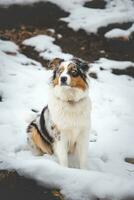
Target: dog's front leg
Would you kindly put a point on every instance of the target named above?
(60, 149)
(82, 150)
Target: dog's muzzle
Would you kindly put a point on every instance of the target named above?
(63, 80)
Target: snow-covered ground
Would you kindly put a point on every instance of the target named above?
(116, 11)
(24, 86)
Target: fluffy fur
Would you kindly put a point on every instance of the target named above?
(64, 124)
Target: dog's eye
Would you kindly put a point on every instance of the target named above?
(74, 73)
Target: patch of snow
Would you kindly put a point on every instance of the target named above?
(59, 36)
(45, 46)
(51, 30)
(20, 2)
(24, 86)
(113, 64)
(91, 20)
(119, 33)
(7, 46)
(66, 5)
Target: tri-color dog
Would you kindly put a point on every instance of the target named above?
(64, 124)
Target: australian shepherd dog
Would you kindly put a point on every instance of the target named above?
(64, 124)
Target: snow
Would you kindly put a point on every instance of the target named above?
(8, 46)
(24, 86)
(66, 5)
(44, 45)
(119, 33)
(114, 64)
(89, 19)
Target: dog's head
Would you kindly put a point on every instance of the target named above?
(72, 73)
(70, 79)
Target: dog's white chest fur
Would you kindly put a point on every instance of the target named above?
(73, 123)
(70, 116)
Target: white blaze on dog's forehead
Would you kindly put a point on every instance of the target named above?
(65, 64)
(65, 71)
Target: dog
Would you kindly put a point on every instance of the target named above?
(64, 124)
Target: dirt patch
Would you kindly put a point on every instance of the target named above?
(27, 50)
(38, 15)
(0, 98)
(101, 4)
(13, 186)
(123, 26)
(92, 47)
(129, 160)
(128, 71)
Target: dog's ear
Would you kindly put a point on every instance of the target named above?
(55, 63)
(84, 66)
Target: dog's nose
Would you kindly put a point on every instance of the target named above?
(63, 79)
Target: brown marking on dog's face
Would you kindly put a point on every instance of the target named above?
(58, 72)
(78, 82)
(55, 63)
(55, 81)
(72, 66)
(39, 142)
(76, 79)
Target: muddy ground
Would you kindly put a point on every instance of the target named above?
(16, 187)
(20, 22)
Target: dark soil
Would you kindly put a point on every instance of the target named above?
(16, 187)
(129, 160)
(0, 98)
(37, 15)
(101, 4)
(128, 71)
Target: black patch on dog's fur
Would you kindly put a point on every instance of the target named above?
(81, 64)
(44, 131)
(82, 75)
(82, 68)
(54, 74)
(36, 127)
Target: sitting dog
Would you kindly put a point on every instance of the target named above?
(64, 124)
